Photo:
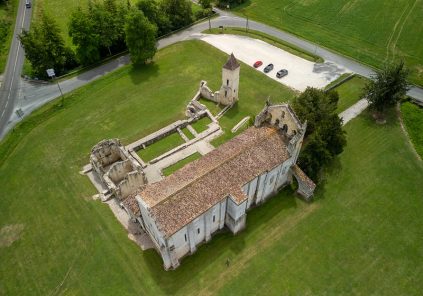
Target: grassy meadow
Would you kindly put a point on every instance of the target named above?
(362, 234)
(373, 32)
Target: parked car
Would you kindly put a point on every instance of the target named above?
(28, 3)
(268, 68)
(282, 73)
(258, 64)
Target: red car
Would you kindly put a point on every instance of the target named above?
(258, 64)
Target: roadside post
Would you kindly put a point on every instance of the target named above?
(52, 75)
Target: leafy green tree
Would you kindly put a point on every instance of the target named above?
(140, 36)
(388, 87)
(99, 30)
(45, 48)
(205, 3)
(178, 11)
(155, 15)
(324, 136)
(84, 36)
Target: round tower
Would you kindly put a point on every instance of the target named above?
(228, 93)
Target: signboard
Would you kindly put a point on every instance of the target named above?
(50, 73)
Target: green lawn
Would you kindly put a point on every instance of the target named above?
(169, 170)
(350, 92)
(8, 10)
(362, 235)
(212, 106)
(269, 39)
(370, 31)
(160, 147)
(201, 125)
(187, 133)
(413, 119)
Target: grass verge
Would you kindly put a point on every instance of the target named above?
(412, 116)
(8, 12)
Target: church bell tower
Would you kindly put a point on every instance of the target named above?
(228, 93)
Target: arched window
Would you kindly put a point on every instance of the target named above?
(227, 81)
(285, 128)
(226, 93)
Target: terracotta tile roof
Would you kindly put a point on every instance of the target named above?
(303, 177)
(183, 196)
(232, 63)
(131, 203)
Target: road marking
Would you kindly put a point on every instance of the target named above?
(14, 69)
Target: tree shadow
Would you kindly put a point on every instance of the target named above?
(144, 72)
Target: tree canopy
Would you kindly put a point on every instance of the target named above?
(97, 30)
(324, 136)
(388, 87)
(45, 47)
(178, 11)
(140, 36)
(155, 15)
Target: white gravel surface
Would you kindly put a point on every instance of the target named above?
(301, 73)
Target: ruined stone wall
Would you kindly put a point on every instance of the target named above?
(119, 170)
(130, 183)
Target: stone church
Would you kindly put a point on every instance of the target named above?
(184, 210)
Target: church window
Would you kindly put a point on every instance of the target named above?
(185, 236)
(198, 230)
(227, 81)
(214, 218)
(226, 93)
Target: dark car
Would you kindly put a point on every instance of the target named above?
(268, 68)
(258, 64)
(282, 73)
(28, 3)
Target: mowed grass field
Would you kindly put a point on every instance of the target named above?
(373, 32)
(362, 235)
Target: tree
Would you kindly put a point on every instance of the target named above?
(178, 11)
(45, 47)
(140, 36)
(155, 15)
(324, 136)
(84, 36)
(205, 3)
(99, 30)
(388, 87)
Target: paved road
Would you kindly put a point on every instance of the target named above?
(9, 90)
(35, 95)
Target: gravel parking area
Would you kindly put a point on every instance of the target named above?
(302, 73)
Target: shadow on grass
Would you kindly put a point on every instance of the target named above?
(142, 73)
(223, 245)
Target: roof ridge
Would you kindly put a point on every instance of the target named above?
(267, 135)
